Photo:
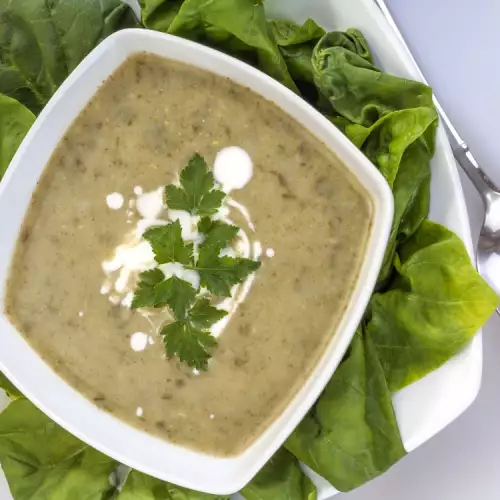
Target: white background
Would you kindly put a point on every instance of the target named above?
(457, 45)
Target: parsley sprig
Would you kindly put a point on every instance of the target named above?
(196, 194)
(188, 336)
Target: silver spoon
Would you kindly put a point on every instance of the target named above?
(488, 247)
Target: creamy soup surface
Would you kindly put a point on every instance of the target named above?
(140, 129)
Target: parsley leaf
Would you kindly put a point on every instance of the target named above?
(204, 315)
(177, 294)
(196, 194)
(217, 232)
(211, 202)
(168, 245)
(190, 344)
(144, 295)
(218, 274)
(155, 291)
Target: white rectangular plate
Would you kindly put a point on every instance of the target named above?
(427, 406)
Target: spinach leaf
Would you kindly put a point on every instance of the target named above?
(397, 145)
(159, 14)
(435, 305)
(351, 435)
(15, 121)
(356, 89)
(387, 140)
(9, 387)
(280, 479)
(411, 191)
(139, 486)
(42, 42)
(287, 33)
(44, 462)
(392, 120)
(204, 315)
(296, 44)
(235, 26)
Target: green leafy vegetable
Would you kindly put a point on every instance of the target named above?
(218, 274)
(217, 233)
(392, 120)
(177, 294)
(190, 344)
(204, 315)
(42, 42)
(280, 479)
(388, 139)
(296, 44)
(153, 290)
(156, 291)
(236, 26)
(168, 245)
(188, 338)
(139, 486)
(159, 14)
(396, 145)
(145, 293)
(351, 435)
(196, 194)
(287, 33)
(435, 305)
(15, 121)
(356, 89)
(44, 462)
(9, 387)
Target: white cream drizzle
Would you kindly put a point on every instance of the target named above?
(238, 295)
(139, 341)
(189, 224)
(233, 168)
(243, 210)
(115, 201)
(150, 205)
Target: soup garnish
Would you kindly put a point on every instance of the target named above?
(188, 336)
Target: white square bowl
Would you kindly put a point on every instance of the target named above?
(59, 400)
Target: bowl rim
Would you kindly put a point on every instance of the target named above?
(65, 405)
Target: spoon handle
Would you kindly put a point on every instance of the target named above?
(484, 185)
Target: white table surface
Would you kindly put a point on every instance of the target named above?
(457, 45)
